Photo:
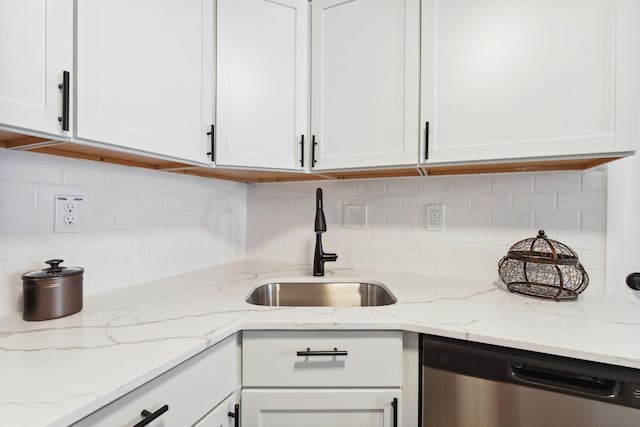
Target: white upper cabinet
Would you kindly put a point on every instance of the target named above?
(262, 83)
(526, 79)
(145, 75)
(365, 82)
(36, 47)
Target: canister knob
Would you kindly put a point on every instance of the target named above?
(54, 264)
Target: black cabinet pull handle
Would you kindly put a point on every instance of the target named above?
(394, 407)
(302, 151)
(64, 87)
(313, 150)
(334, 352)
(150, 416)
(235, 415)
(212, 153)
(426, 141)
(633, 281)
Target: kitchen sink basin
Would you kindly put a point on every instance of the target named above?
(321, 294)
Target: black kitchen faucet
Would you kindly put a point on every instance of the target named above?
(319, 256)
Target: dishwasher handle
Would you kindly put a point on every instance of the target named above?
(573, 383)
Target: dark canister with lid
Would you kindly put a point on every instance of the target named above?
(52, 292)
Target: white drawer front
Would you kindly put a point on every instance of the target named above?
(270, 359)
(191, 389)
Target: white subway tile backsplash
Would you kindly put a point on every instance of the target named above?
(585, 200)
(453, 202)
(490, 202)
(128, 222)
(86, 176)
(403, 187)
(484, 216)
(531, 201)
(113, 198)
(593, 220)
(364, 187)
(376, 218)
(594, 180)
(308, 203)
(557, 182)
(581, 240)
(150, 200)
(17, 195)
(154, 224)
(512, 183)
(25, 221)
(417, 202)
(435, 185)
(512, 219)
(470, 219)
(386, 203)
(566, 220)
(472, 184)
(404, 218)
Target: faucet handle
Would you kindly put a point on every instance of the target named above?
(329, 257)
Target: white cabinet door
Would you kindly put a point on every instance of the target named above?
(220, 416)
(36, 47)
(320, 408)
(504, 79)
(183, 395)
(145, 75)
(365, 82)
(262, 83)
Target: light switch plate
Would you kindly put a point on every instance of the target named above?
(354, 216)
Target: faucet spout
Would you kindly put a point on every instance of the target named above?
(320, 222)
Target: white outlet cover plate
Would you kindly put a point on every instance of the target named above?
(435, 212)
(68, 213)
(354, 216)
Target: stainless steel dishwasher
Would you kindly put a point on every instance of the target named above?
(468, 384)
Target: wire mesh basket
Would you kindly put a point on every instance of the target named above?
(544, 268)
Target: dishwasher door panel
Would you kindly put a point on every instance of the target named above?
(455, 400)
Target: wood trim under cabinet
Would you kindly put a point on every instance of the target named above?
(80, 151)
(529, 166)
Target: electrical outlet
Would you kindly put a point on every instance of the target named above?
(68, 214)
(435, 217)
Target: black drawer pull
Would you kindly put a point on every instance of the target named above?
(301, 151)
(235, 415)
(212, 153)
(64, 87)
(313, 151)
(334, 352)
(150, 416)
(426, 141)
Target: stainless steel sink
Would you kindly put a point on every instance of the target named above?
(321, 294)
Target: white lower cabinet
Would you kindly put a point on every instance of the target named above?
(320, 407)
(321, 378)
(224, 415)
(188, 392)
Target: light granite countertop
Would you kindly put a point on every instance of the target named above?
(55, 372)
